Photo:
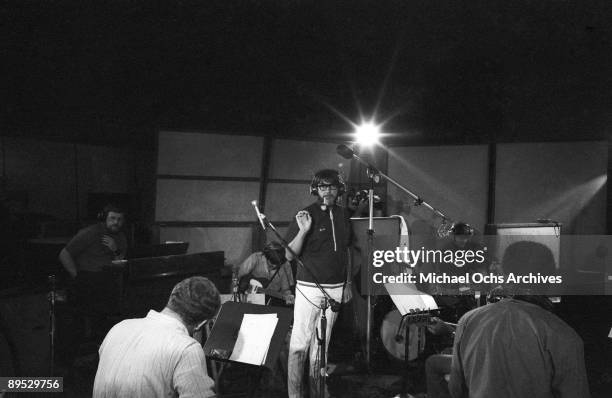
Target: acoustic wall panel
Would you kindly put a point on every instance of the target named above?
(564, 182)
(202, 154)
(270, 236)
(234, 241)
(196, 200)
(299, 160)
(453, 179)
(46, 171)
(51, 174)
(283, 200)
(105, 169)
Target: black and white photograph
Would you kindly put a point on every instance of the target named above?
(306, 199)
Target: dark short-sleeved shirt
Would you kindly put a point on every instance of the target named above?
(516, 349)
(325, 248)
(89, 253)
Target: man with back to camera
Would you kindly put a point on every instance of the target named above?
(320, 235)
(157, 356)
(517, 347)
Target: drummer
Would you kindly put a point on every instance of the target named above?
(455, 301)
(462, 239)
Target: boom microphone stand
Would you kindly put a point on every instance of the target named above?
(322, 349)
(446, 225)
(370, 249)
(374, 175)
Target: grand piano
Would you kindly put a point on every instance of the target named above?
(129, 288)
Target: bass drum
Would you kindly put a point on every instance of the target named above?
(395, 344)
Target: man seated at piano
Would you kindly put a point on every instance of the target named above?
(268, 272)
(89, 288)
(96, 246)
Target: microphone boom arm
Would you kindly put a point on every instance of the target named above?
(417, 199)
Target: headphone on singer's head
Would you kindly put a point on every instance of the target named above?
(107, 209)
(327, 176)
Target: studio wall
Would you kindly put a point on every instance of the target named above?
(561, 181)
(299, 160)
(284, 199)
(206, 182)
(205, 201)
(453, 179)
(210, 154)
(45, 170)
(57, 177)
(564, 182)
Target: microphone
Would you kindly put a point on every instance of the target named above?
(260, 216)
(326, 203)
(345, 151)
(445, 228)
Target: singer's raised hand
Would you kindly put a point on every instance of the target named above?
(304, 221)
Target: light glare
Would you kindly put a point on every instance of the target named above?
(367, 133)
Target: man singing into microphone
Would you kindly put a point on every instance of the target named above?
(320, 235)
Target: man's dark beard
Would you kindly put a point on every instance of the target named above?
(113, 229)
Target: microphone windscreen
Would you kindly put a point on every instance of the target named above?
(344, 151)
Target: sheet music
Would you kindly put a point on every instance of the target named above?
(255, 298)
(254, 338)
(408, 298)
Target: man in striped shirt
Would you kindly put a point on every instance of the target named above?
(156, 356)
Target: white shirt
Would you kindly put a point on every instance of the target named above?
(151, 357)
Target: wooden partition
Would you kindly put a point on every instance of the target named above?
(57, 177)
(564, 182)
(206, 182)
(453, 179)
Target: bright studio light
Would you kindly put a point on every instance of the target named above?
(367, 133)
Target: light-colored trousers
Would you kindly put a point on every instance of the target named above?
(306, 324)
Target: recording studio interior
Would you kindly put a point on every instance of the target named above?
(306, 199)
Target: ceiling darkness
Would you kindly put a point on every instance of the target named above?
(440, 71)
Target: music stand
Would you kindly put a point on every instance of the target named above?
(225, 332)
